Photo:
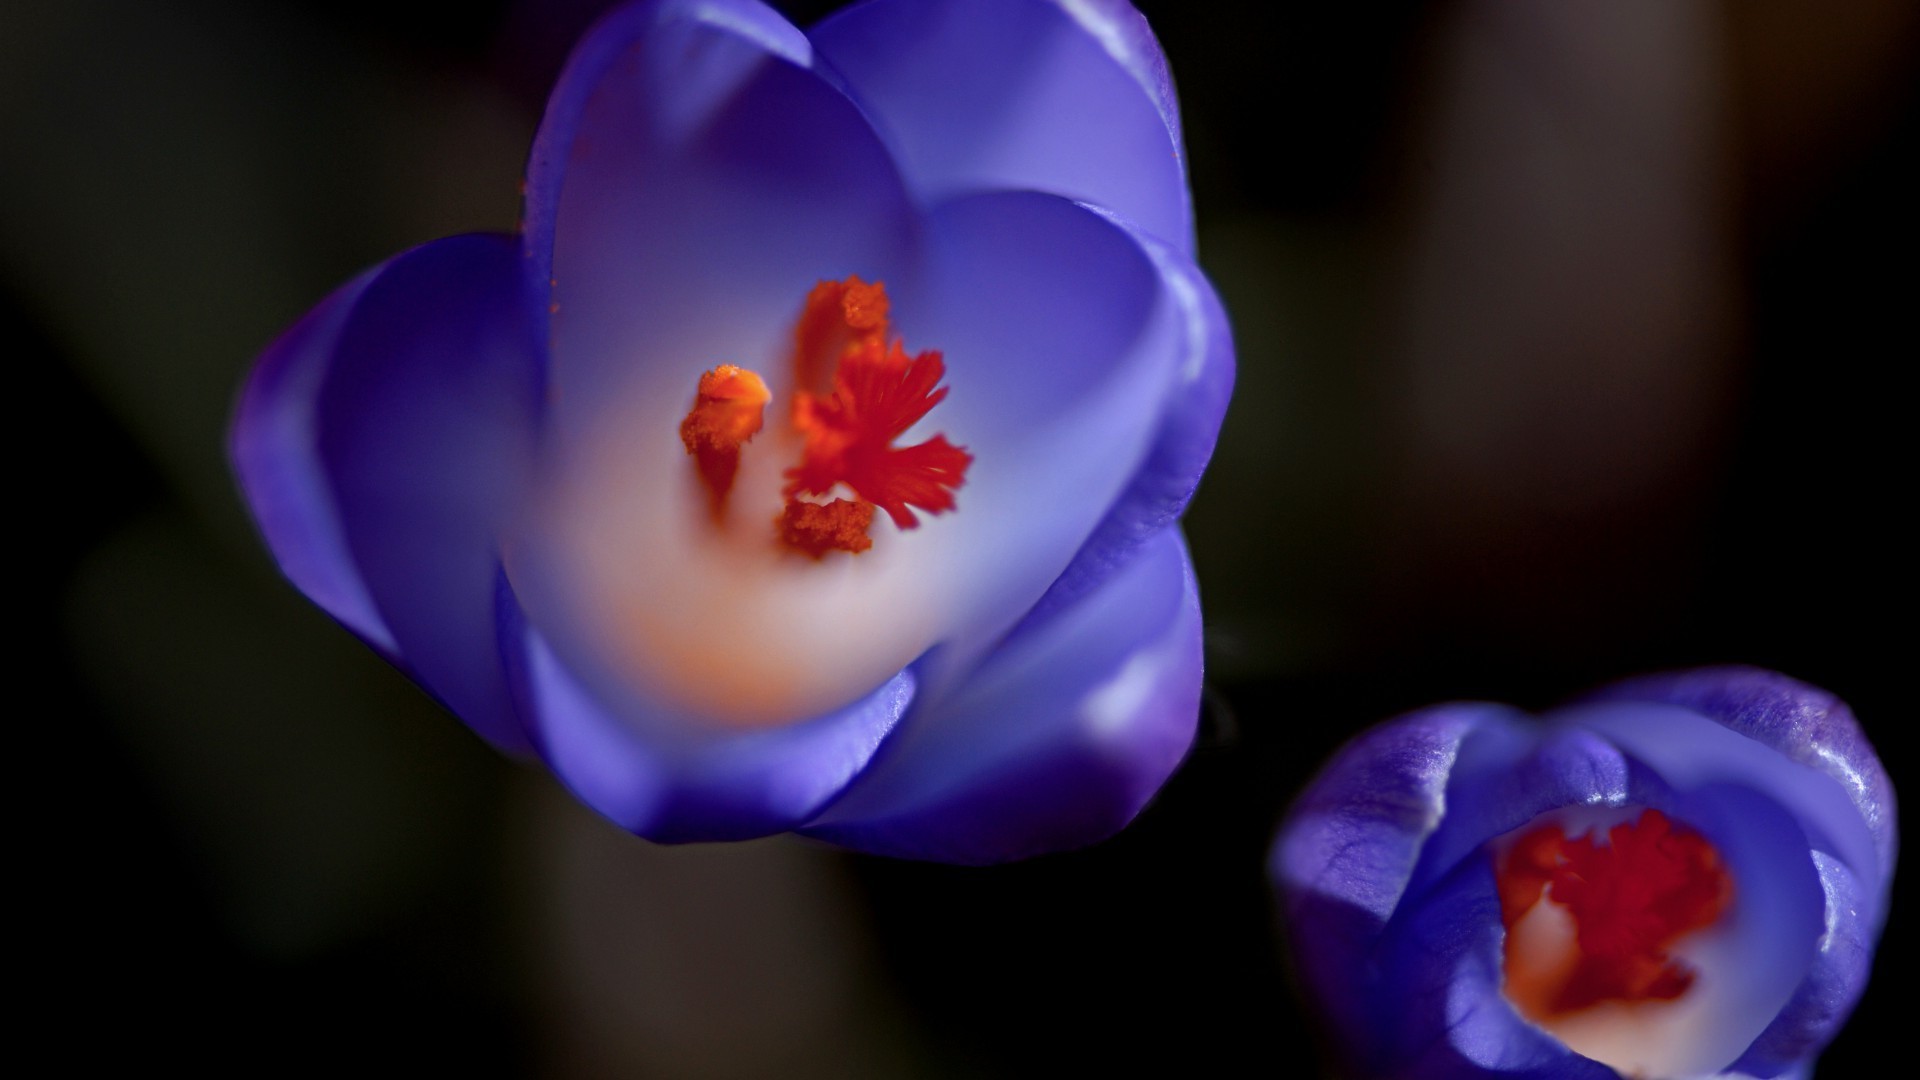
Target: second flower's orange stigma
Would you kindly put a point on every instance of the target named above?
(1630, 899)
(855, 393)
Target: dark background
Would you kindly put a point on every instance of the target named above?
(1570, 343)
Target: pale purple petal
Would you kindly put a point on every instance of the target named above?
(1070, 97)
(691, 181)
(275, 454)
(1804, 723)
(1061, 335)
(425, 426)
(1511, 770)
(1057, 742)
(1690, 751)
(676, 787)
(1838, 975)
(1190, 425)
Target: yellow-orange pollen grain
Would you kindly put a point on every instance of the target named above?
(855, 393)
(1630, 899)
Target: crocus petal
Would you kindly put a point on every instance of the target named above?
(1689, 751)
(1061, 334)
(705, 785)
(1804, 723)
(1351, 844)
(1065, 96)
(1510, 771)
(1756, 960)
(691, 180)
(274, 449)
(424, 424)
(1842, 960)
(1195, 405)
(1057, 742)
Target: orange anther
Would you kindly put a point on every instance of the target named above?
(728, 410)
(854, 394)
(817, 528)
(839, 317)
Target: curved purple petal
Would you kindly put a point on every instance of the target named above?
(1070, 97)
(425, 424)
(273, 446)
(1061, 334)
(1804, 723)
(1691, 751)
(1189, 428)
(678, 787)
(691, 181)
(607, 45)
(1843, 957)
(1058, 741)
(1769, 940)
(1511, 770)
(1349, 847)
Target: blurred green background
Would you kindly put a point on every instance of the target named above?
(1570, 339)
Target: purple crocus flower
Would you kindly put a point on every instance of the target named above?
(608, 487)
(1680, 876)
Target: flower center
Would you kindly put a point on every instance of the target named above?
(855, 393)
(1625, 902)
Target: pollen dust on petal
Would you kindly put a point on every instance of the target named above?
(817, 528)
(1629, 900)
(728, 409)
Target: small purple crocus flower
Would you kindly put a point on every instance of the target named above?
(1679, 876)
(476, 455)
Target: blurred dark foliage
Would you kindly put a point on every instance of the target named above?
(1347, 577)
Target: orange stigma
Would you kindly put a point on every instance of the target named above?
(817, 528)
(728, 410)
(840, 317)
(877, 395)
(854, 394)
(1629, 900)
